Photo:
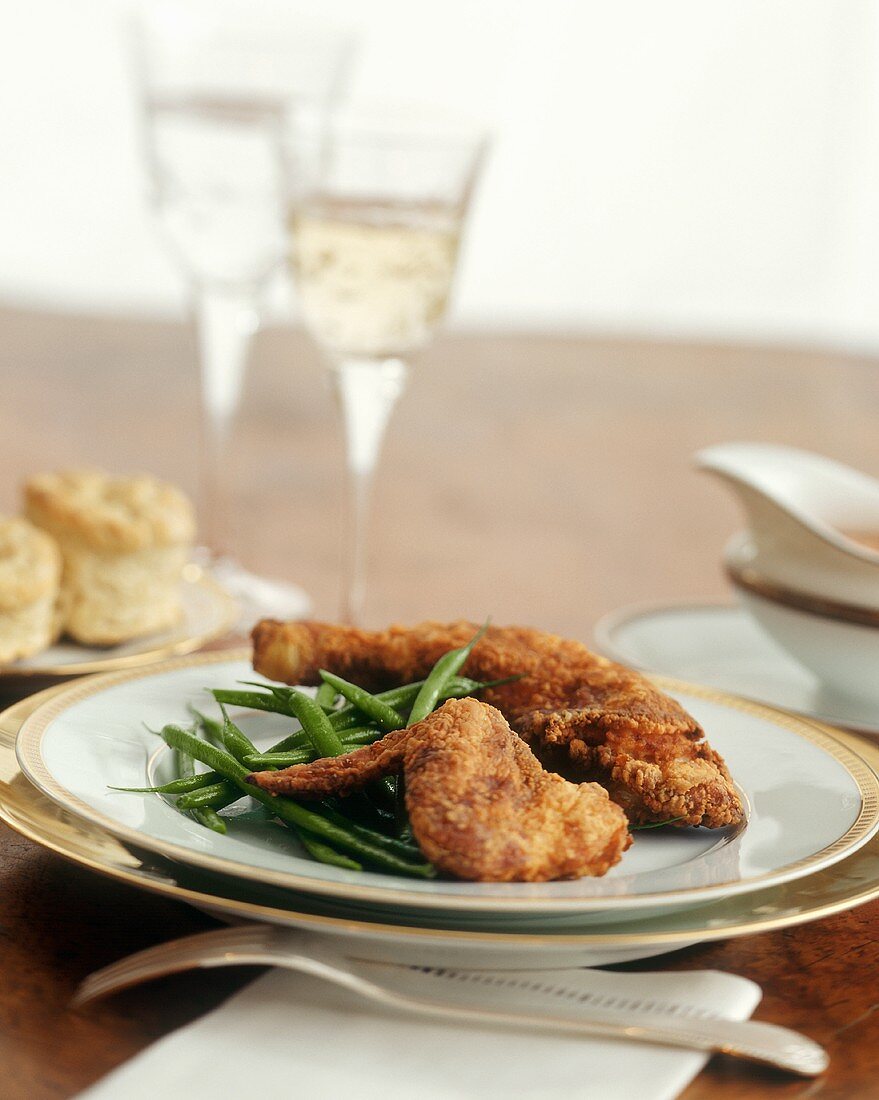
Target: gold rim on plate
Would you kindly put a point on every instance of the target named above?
(194, 577)
(28, 748)
(845, 885)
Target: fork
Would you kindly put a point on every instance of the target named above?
(267, 945)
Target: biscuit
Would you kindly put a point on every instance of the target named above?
(123, 541)
(30, 572)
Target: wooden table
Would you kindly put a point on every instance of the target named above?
(538, 479)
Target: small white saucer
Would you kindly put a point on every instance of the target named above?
(722, 647)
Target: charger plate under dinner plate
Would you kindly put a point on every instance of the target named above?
(811, 801)
(427, 941)
(720, 645)
(207, 613)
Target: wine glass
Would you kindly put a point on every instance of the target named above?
(216, 83)
(377, 201)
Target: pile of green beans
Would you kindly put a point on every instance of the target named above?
(332, 836)
(361, 830)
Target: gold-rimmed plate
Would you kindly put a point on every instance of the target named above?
(93, 737)
(207, 612)
(852, 882)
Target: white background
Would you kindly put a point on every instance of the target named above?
(706, 167)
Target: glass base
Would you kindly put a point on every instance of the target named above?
(257, 597)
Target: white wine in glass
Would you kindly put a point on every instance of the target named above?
(377, 204)
(374, 279)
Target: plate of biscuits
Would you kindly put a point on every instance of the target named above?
(95, 575)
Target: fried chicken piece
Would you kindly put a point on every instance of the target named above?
(583, 715)
(480, 805)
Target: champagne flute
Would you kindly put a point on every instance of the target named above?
(376, 208)
(216, 83)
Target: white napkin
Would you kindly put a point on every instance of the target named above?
(290, 1035)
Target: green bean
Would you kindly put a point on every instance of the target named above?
(281, 700)
(284, 700)
(395, 697)
(210, 727)
(291, 812)
(208, 798)
(481, 685)
(347, 721)
(324, 731)
(210, 819)
(295, 740)
(371, 705)
(255, 700)
(377, 808)
(439, 677)
(403, 697)
(401, 814)
(385, 790)
(206, 817)
(219, 793)
(276, 701)
(175, 786)
(224, 792)
(362, 808)
(280, 690)
(326, 696)
(352, 730)
(273, 758)
(281, 758)
(361, 735)
(323, 853)
(234, 741)
(189, 783)
(184, 765)
(389, 843)
(324, 738)
(260, 761)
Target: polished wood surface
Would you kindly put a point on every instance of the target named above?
(537, 479)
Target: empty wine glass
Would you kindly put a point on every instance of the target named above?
(377, 201)
(216, 83)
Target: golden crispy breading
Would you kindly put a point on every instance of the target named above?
(583, 715)
(480, 805)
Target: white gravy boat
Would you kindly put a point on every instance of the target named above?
(802, 510)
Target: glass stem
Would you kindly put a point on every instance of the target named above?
(367, 391)
(226, 318)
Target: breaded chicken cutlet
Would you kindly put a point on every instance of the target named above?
(480, 805)
(584, 716)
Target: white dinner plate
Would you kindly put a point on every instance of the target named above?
(721, 646)
(811, 801)
(392, 934)
(207, 612)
